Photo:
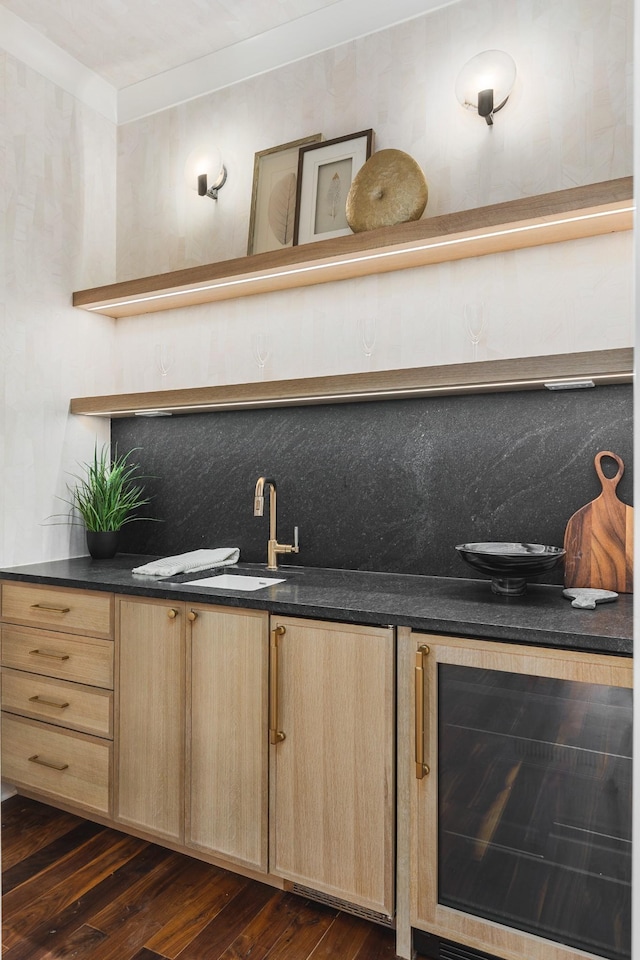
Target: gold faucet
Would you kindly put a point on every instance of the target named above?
(273, 547)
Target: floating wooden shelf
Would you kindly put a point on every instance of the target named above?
(527, 373)
(572, 214)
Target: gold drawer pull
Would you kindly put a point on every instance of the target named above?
(48, 703)
(48, 654)
(52, 609)
(192, 615)
(47, 763)
(172, 613)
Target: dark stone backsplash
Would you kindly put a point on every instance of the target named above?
(390, 485)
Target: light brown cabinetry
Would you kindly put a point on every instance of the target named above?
(57, 762)
(80, 659)
(151, 716)
(71, 611)
(57, 697)
(227, 745)
(521, 798)
(332, 762)
(192, 734)
(55, 701)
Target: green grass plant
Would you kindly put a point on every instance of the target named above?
(109, 493)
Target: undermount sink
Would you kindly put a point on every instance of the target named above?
(232, 581)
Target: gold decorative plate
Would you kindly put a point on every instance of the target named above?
(390, 188)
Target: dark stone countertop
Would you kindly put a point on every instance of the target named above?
(457, 607)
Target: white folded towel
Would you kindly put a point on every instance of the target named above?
(189, 562)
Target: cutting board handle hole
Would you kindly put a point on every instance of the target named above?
(609, 466)
(610, 469)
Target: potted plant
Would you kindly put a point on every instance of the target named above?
(106, 497)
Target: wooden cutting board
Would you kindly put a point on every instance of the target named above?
(599, 538)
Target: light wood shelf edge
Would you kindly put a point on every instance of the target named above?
(591, 210)
(488, 376)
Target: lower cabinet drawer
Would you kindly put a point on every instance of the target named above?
(56, 701)
(70, 766)
(82, 659)
(73, 611)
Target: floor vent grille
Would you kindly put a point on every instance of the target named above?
(452, 951)
(428, 945)
(343, 905)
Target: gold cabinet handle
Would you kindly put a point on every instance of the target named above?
(192, 615)
(47, 763)
(48, 654)
(48, 703)
(421, 766)
(275, 735)
(50, 608)
(172, 613)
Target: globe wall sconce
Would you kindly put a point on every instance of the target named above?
(485, 82)
(205, 172)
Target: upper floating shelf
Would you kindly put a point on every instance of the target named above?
(572, 214)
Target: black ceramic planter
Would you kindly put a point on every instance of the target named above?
(103, 544)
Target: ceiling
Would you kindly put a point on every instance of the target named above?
(131, 58)
(126, 42)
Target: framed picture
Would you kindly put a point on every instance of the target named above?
(325, 172)
(273, 198)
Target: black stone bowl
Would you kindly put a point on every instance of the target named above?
(510, 565)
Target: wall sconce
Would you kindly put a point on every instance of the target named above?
(485, 82)
(205, 172)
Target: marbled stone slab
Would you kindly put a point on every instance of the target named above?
(385, 486)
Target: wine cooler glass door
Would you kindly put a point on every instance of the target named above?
(534, 804)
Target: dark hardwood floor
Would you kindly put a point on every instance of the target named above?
(79, 891)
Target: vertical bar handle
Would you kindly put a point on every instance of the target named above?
(275, 735)
(421, 767)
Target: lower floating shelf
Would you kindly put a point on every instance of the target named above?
(526, 373)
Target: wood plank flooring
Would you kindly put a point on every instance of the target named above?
(74, 890)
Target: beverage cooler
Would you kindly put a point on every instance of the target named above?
(523, 812)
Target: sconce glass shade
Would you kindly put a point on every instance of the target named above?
(205, 171)
(485, 82)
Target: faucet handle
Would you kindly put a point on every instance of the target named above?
(295, 540)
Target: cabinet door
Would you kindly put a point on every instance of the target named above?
(332, 715)
(228, 735)
(522, 815)
(150, 777)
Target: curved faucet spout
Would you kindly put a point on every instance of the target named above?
(258, 497)
(273, 547)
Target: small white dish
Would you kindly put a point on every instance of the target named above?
(586, 598)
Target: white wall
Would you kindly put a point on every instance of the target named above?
(567, 123)
(57, 182)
